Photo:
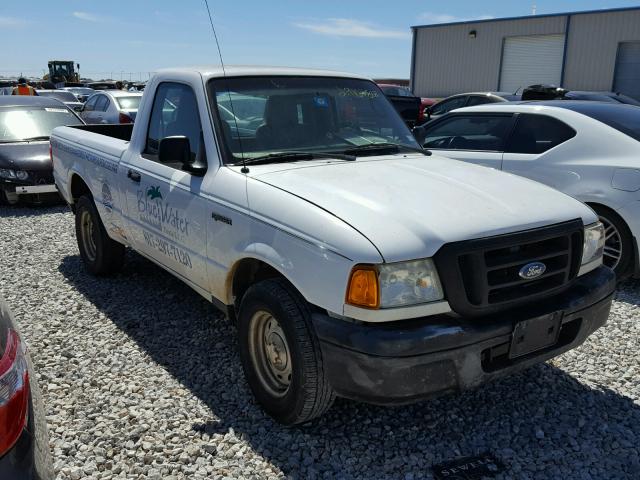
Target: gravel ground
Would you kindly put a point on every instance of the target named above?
(141, 379)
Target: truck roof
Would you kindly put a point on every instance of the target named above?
(215, 71)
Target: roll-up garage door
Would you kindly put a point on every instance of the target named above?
(531, 60)
(627, 77)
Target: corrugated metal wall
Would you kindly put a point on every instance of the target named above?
(448, 61)
(593, 45)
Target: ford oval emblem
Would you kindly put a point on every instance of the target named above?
(532, 270)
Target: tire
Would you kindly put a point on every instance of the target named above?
(276, 339)
(100, 254)
(618, 244)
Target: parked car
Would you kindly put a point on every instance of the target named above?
(68, 98)
(106, 85)
(352, 262)
(610, 97)
(467, 100)
(25, 164)
(406, 103)
(111, 106)
(589, 150)
(24, 440)
(81, 93)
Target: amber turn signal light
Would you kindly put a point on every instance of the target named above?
(363, 290)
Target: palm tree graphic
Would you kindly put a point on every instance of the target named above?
(154, 192)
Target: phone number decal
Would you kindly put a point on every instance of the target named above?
(168, 249)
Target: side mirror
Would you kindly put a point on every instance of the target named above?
(178, 150)
(420, 134)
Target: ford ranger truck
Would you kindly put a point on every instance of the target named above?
(353, 262)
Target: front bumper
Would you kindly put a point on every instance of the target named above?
(402, 362)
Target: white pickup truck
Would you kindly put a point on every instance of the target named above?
(353, 262)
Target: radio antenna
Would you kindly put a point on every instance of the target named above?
(224, 73)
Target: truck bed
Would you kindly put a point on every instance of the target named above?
(121, 131)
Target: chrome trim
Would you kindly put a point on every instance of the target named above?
(587, 267)
(395, 314)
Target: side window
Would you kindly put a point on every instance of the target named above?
(91, 104)
(479, 100)
(448, 105)
(469, 132)
(538, 133)
(101, 103)
(175, 113)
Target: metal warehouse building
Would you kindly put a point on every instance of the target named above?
(591, 50)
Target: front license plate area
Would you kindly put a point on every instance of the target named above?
(535, 334)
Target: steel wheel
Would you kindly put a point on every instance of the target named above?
(612, 244)
(270, 353)
(87, 229)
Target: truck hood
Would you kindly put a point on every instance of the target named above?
(25, 156)
(409, 207)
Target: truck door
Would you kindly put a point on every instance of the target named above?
(166, 214)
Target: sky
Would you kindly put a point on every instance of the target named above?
(130, 39)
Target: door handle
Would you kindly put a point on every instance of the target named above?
(133, 175)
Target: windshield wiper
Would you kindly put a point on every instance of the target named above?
(293, 157)
(34, 139)
(385, 146)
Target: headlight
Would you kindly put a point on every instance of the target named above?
(394, 285)
(6, 173)
(22, 175)
(593, 247)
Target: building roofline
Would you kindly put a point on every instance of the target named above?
(525, 17)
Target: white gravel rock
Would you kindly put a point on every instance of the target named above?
(141, 379)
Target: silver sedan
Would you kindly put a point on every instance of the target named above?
(111, 106)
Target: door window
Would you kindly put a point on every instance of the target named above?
(535, 134)
(91, 104)
(102, 104)
(469, 132)
(479, 100)
(175, 113)
(448, 105)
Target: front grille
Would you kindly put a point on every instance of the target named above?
(40, 177)
(481, 276)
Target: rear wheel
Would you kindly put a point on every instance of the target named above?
(281, 354)
(101, 254)
(618, 246)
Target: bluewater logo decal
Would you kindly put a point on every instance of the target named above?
(532, 270)
(158, 213)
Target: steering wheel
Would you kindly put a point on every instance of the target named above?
(457, 142)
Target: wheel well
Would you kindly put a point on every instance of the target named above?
(78, 188)
(247, 272)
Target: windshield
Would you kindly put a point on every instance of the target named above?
(63, 96)
(82, 91)
(264, 115)
(20, 123)
(129, 103)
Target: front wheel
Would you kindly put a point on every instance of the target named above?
(618, 247)
(100, 254)
(281, 355)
